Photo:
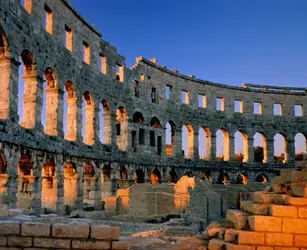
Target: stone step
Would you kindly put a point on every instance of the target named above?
(255, 208)
(269, 198)
(237, 217)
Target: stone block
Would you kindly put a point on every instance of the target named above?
(250, 238)
(237, 217)
(231, 235)
(286, 174)
(103, 232)
(216, 244)
(51, 243)
(239, 247)
(9, 227)
(296, 201)
(86, 244)
(35, 229)
(269, 198)
(265, 248)
(300, 240)
(279, 239)
(286, 248)
(73, 230)
(254, 208)
(278, 184)
(283, 211)
(2, 241)
(17, 241)
(302, 212)
(265, 223)
(299, 183)
(293, 225)
(121, 245)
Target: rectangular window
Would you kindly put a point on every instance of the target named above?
(298, 110)
(142, 136)
(119, 73)
(136, 89)
(220, 104)
(238, 106)
(277, 109)
(48, 19)
(118, 129)
(133, 133)
(153, 95)
(27, 4)
(68, 38)
(185, 97)
(86, 53)
(142, 77)
(159, 145)
(257, 108)
(102, 64)
(152, 139)
(167, 92)
(202, 101)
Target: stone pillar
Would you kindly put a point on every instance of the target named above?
(195, 146)
(71, 119)
(89, 126)
(250, 150)
(59, 163)
(179, 144)
(270, 150)
(37, 185)
(229, 148)
(60, 114)
(211, 147)
(108, 134)
(79, 120)
(215, 177)
(114, 178)
(98, 191)
(9, 89)
(96, 127)
(39, 102)
(290, 152)
(80, 186)
(52, 104)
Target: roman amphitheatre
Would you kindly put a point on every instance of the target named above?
(93, 153)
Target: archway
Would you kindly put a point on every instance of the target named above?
(222, 145)
(155, 176)
(139, 176)
(88, 119)
(242, 179)
(49, 185)
(260, 148)
(138, 118)
(280, 148)
(70, 184)
(172, 176)
(204, 143)
(263, 178)
(241, 146)
(188, 141)
(123, 178)
(206, 175)
(105, 121)
(70, 112)
(170, 138)
(300, 147)
(223, 178)
(122, 128)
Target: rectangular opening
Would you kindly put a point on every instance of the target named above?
(277, 109)
(142, 77)
(238, 108)
(117, 128)
(68, 38)
(159, 145)
(86, 53)
(298, 110)
(133, 133)
(220, 104)
(142, 136)
(167, 92)
(202, 101)
(119, 73)
(136, 89)
(27, 4)
(185, 97)
(152, 138)
(48, 19)
(102, 64)
(257, 108)
(153, 95)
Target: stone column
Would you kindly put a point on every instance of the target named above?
(270, 150)
(290, 152)
(80, 186)
(60, 114)
(114, 178)
(108, 134)
(71, 119)
(97, 191)
(52, 104)
(179, 143)
(59, 162)
(89, 126)
(79, 120)
(37, 185)
(250, 150)
(9, 89)
(195, 146)
(39, 102)
(215, 177)
(211, 147)
(229, 148)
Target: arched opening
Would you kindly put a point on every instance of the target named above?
(260, 148)
(138, 118)
(139, 176)
(5, 76)
(122, 129)
(262, 178)
(223, 178)
(241, 146)
(172, 176)
(188, 141)
(242, 179)
(123, 178)
(105, 121)
(70, 184)
(206, 175)
(155, 122)
(280, 148)
(189, 174)
(27, 90)
(204, 143)
(49, 185)
(89, 183)
(3, 179)
(70, 112)
(50, 103)
(170, 136)
(300, 147)
(222, 145)
(106, 181)
(155, 176)
(88, 119)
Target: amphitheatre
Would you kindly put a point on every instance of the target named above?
(82, 87)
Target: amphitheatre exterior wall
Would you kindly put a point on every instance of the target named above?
(124, 93)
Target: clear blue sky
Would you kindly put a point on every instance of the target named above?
(226, 41)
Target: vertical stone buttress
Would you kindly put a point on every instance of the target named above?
(59, 163)
(37, 184)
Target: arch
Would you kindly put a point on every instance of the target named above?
(242, 179)
(155, 176)
(70, 184)
(155, 122)
(105, 121)
(170, 139)
(260, 148)
(206, 175)
(222, 145)
(300, 146)
(139, 176)
(172, 176)
(49, 184)
(204, 143)
(280, 148)
(263, 178)
(70, 112)
(50, 103)
(223, 178)
(4, 45)
(122, 128)
(138, 118)
(241, 146)
(3, 163)
(189, 174)
(27, 90)
(188, 141)
(123, 181)
(88, 118)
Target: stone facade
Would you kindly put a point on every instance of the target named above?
(58, 48)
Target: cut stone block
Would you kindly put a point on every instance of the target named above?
(254, 208)
(269, 198)
(237, 217)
